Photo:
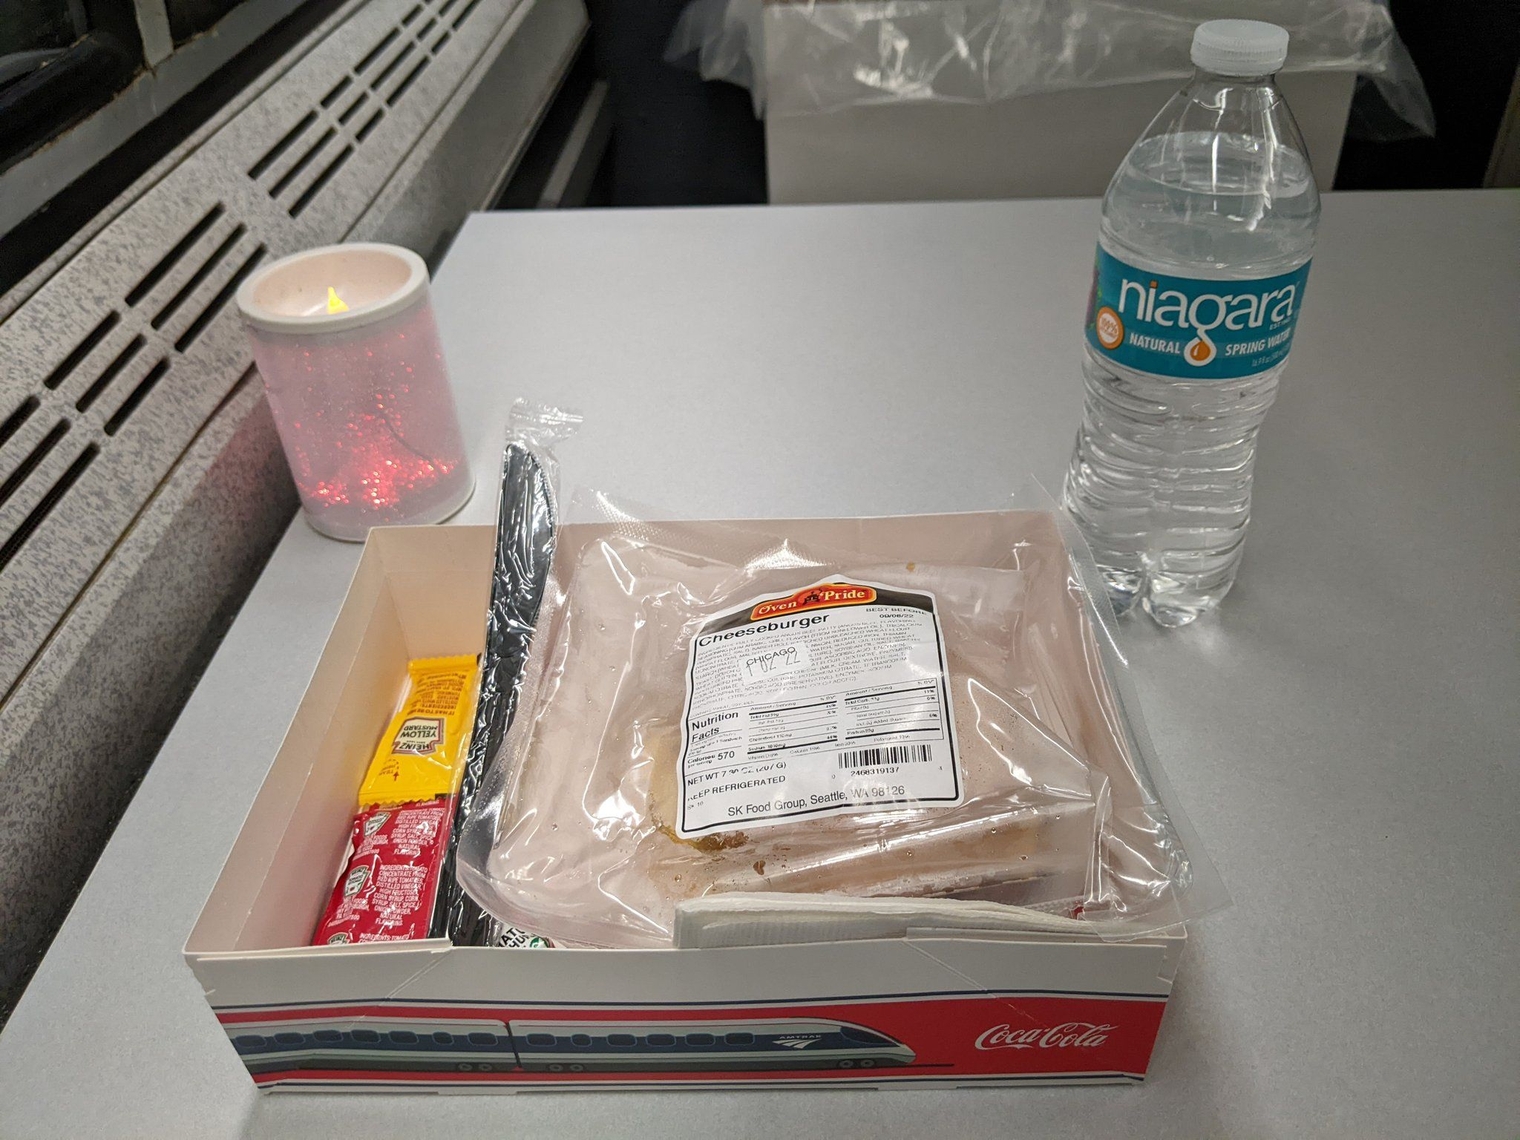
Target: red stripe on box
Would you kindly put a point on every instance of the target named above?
(981, 1036)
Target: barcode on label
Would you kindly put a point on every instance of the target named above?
(881, 757)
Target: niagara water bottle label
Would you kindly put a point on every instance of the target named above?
(1190, 328)
(829, 700)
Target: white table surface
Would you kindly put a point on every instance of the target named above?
(1343, 733)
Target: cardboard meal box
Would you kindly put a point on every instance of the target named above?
(776, 991)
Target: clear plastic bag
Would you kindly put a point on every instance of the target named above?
(824, 55)
(577, 832)
(526, 522)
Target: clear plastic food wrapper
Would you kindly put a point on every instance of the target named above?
(916, 706)
(526, 522)
(804, 57)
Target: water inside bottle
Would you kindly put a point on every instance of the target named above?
(1160, 480)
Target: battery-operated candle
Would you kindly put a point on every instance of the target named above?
(345, 340)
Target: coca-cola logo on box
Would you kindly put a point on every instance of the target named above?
(1071, 1034)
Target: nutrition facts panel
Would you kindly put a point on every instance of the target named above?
(834, 699)
(784, 728)
(910, 711)
(906, 709)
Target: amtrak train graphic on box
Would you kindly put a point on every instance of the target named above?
(478, 1046)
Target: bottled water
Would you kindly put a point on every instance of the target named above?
(1202, 260)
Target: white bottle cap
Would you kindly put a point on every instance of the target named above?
(1240, 47)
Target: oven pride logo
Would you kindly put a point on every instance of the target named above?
(1188, 328)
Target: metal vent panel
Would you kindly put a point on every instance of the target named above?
(108, 371)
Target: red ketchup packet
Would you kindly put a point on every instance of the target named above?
(389, 884)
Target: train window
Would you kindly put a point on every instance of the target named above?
(624, 1040)
(249, 1041)
(366, 1037)
(442, 1038)
(541, 1039)
(581, 1040)
(738, 1038)
(661, 1040)
(482, 1039)
(328, 1036)
(699, 1039)
(862, 1036)
(403, 1037)
(289, 1038)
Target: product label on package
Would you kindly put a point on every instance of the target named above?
(1189, 328)
(829, 700)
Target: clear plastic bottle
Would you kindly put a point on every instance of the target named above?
(1203, 254)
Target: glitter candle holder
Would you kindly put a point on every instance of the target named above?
(345, 340)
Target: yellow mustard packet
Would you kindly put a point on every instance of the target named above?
(421, 755)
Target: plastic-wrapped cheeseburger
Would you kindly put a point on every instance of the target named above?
(716, 710)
